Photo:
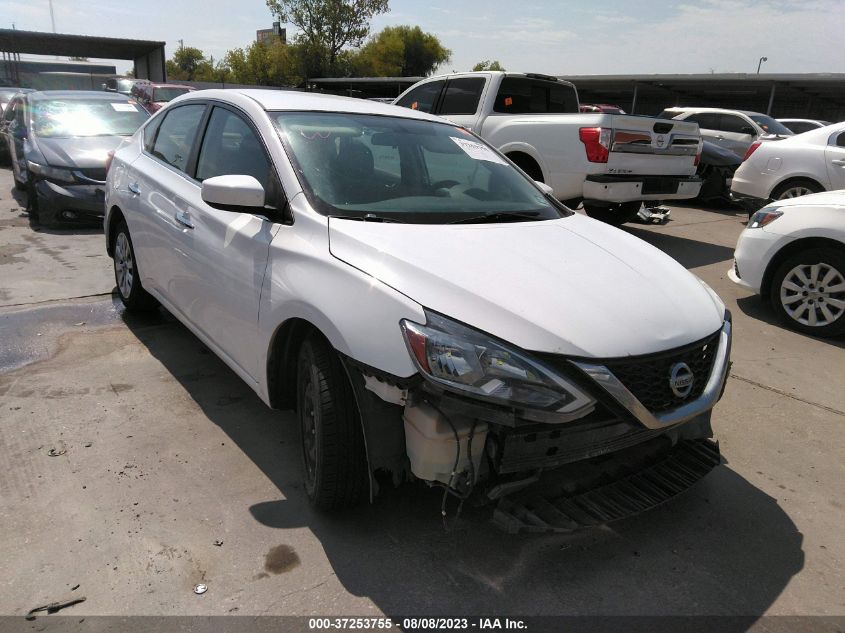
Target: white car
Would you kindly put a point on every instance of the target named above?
(802, 164)
(799, 126)
(734, 130)
(426, 308)
(793, 253)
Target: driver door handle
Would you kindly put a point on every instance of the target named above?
(184, 218)
(839, 161)
(134, 188)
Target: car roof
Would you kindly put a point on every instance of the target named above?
(292, 100)
(43, 95)
(685, 109)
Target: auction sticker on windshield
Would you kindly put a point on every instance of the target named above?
(478, 151)
(124, 107)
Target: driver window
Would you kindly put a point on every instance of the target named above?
(734, 124)
(231, 147)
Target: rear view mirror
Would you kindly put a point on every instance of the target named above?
(233, 193)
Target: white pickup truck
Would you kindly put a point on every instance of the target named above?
(611, 162)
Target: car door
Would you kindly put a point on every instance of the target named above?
(835, 159)
(160, 186)
(461, 100)
(736, 133)
(224, 252)
(708, 125)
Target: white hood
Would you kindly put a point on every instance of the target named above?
(570, 286)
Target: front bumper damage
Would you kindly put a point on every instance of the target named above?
(544, 473)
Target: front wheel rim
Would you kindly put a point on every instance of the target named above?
(795, 192)
(813, 294)
(124, 267)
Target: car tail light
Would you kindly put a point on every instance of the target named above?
(751, 150)
(698, 155)
(109, 160)
(596, 142)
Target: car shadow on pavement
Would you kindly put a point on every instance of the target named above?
(690, 253)
(757, 308)
(724, 547)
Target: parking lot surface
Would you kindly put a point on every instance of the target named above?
(136, 464)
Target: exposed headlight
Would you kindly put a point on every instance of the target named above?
(469, 361)
(763, 217)
(51, 173)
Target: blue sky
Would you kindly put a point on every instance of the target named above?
(557, 37)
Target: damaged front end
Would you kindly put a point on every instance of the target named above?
(555, 443)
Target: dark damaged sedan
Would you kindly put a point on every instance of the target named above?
(60, 143)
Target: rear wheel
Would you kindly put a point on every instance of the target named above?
(333, 457)
(808, 291)
(129, 287)
(796, 189)
(615, 214)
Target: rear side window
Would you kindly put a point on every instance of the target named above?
(840, 140)
(422, 98)
(799, 127)
(705, 120)
(231, 147)
(462, 95)
(176, 135)
(523, 95)
(735, 124)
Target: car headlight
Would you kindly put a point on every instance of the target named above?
(764, 216)
(51, 173)
(465, 360)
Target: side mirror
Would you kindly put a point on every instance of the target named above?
(233, 193)
(545, 188)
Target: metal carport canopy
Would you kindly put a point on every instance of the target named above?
(147, 55)
(815, 95)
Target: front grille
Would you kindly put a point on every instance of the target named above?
(94, 173)
(647, 377)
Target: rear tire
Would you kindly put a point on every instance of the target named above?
(795, 189)
(129, 287)
(808, 291)
(333, 456)
(615, 214)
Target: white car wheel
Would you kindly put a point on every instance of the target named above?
(809, 289)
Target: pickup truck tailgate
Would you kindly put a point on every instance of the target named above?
(649, 146)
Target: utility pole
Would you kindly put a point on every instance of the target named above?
(181, 44)
(52, 17)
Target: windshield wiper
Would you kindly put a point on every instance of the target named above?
(369, 217)
(502, 216)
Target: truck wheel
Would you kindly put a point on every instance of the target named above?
(333, 458)
(808, 291)
(615, 214)
(129, 287)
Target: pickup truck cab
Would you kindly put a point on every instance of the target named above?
(610, 162)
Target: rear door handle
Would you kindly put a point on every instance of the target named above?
(184, 218)
(839, 161)
(134, 188)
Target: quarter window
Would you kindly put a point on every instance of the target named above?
(176, 135)
(462, 95)
(231, 147)
(840, 140)
(422, 98)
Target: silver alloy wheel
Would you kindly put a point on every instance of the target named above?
(813, 294)
(124, 267)
(795, 192)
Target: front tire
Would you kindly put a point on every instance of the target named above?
(333, 457)
(615, 214)
(129, 287)
(808, 291)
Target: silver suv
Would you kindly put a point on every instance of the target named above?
(734, 130)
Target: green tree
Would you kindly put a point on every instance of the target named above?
(400, 51)
(184, 64)
(328, 25)
(270, 63)
(488, 65)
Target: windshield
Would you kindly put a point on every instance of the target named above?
(769, 125)
(376, 167)
(61, 118)
(167, 94)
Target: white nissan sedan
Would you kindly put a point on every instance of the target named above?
(793, 253)
(426, 309)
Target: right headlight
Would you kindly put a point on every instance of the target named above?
(764, 216)
(466, 360)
